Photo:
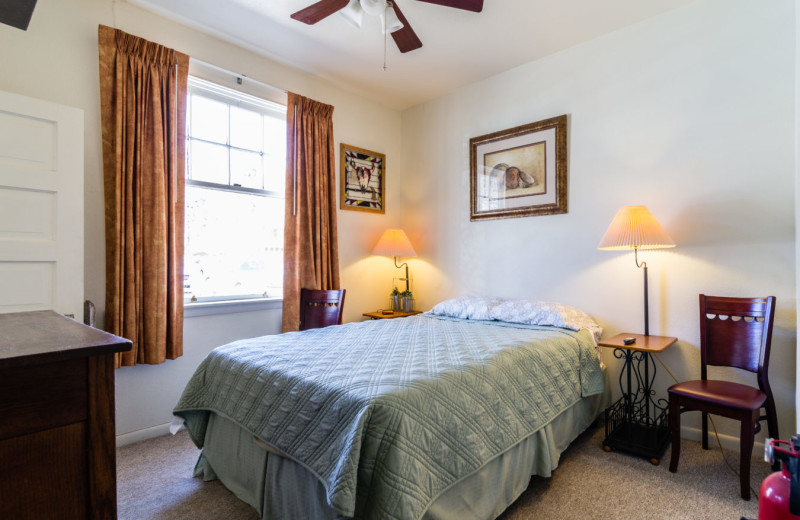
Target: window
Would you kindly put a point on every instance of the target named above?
(235, 164)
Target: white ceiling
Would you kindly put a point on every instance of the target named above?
(459, 47)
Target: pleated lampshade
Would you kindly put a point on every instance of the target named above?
(394, 242)
(635, 227)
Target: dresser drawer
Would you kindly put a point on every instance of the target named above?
(38, 397)
(44, 475)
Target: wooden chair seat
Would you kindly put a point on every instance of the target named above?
(721, 393)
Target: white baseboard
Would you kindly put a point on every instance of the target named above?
(728, 442)
(142, 435)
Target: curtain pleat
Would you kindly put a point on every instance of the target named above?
(143, 89)
(311, 250)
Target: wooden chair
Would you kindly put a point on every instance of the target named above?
(734, 332)
(320, 308)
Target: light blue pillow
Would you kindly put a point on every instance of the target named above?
(467, 307)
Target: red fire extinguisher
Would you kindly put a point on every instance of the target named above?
(779, 497)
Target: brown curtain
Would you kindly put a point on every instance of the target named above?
(143, 101)
(311, 251)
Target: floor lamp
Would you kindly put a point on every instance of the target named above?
(634, 227)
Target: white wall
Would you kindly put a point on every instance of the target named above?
(56, 59)
(691, 114)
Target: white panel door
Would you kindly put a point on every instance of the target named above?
(41, 206)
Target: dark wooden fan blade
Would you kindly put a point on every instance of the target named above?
(316, 12)
(468, 5)
(17, 13)
(406, 39)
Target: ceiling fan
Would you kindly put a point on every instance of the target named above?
(393, 19)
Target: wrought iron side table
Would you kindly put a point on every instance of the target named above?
(638, 422)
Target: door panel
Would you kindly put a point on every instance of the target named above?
(41, 206)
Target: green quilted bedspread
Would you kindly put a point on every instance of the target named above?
(389, 414)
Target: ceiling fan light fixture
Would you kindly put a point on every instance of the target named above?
(373, 7)
(389, 21)
(353, 13)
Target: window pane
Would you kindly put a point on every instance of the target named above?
(234, 244)
(246, 129)
(209, 120)
(275, 173)
(275, 154)
(275, 136)
(246, 169)
(208, 162)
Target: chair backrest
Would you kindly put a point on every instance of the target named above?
(736, 332)
(320, 308)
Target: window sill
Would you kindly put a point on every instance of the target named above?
(191, 310)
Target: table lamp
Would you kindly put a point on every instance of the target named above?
(394, 242)
(634, 227)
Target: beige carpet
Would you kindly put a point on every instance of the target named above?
(155, 482)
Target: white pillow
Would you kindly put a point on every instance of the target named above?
(467, 307)
(534, 312)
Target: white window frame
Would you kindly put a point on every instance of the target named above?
(234, 303)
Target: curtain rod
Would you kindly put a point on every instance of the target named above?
(237, 75)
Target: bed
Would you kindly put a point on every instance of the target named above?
(437, 416)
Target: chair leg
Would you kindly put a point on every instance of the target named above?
(675, 432)
(705, 431)
(772, 418)
(772, 422)
(746, 451)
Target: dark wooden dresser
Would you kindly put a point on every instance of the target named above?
(57, 435)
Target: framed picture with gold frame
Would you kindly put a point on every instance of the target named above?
(363, 179)
(519, 172)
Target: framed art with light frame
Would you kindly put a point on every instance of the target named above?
(519, 172)
(363, 186)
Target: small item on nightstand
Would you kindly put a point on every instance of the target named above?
(629, 341)
(387, 313)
